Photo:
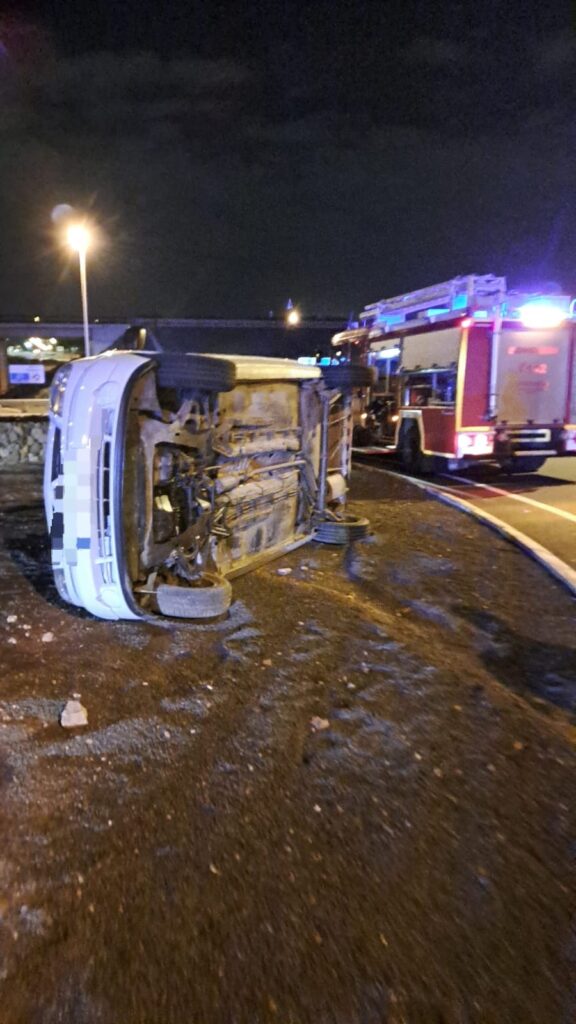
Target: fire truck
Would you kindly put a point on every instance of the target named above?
(468, 372)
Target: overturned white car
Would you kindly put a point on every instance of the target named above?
(166, 474)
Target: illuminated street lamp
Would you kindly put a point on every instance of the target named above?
(292, 315)
(79, 238)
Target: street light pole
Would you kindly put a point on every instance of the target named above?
(84, 291)
(79, 240)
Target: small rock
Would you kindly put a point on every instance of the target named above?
(214, 870)
(518, 745)
(47, 638)
(438, 773)
(267, 663)
(317, 808)
(12, 640)
(283, 572)
(73, 715)
(12, 618)
(318, 724)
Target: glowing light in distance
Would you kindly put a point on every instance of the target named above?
(78, 237)
(293, 317)
(388, 353)
(541, 313)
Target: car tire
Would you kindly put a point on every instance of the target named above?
(348, 375)
(186, 370)
(342, 530)
(211, 597)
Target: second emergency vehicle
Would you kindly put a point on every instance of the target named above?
(469, 372)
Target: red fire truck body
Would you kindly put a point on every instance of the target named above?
(473, 373)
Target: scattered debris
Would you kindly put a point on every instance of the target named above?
(518, 745)
(12, 618)
(267, 663)
(318, 724)
(47, 638)
(12, 640)
(73, 715)
(283, 572)
(214, 870)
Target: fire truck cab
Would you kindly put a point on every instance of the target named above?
(469, 372)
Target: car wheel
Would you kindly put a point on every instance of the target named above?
(348, 375)
(343, 530)
(209, 596)
(185, 370)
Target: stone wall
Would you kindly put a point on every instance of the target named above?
(22, 441)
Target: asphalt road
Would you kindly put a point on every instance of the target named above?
(349, 802)
(541, 505)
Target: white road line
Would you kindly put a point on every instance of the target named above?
(554, 565)
(515, 497)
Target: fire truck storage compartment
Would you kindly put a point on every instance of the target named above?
(533, 374)
(431, 348)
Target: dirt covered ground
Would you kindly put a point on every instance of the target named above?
(352, 802)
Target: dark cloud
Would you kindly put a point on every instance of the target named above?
(442, 53)
(214, 196)
(556, 54)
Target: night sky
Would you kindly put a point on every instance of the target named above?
(234, 155)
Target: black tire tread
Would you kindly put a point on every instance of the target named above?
(342, 531)
(348, 375)
(188, 370)
(528, 463)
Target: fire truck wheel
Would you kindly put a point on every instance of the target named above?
(409, 449)
(183, 370)
(361, 437)
(348, 375)
(529, 464)
(209, 597)
(342, 530)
